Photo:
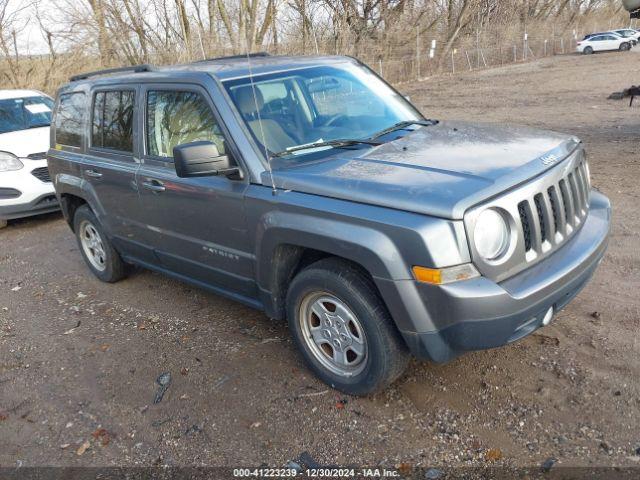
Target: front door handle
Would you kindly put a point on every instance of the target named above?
(154, 185)
(93, 173)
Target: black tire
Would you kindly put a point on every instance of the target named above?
(387, 355)
(114, 268)
(587, 50)
(625, 46)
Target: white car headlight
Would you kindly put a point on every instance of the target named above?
(491, 234)
(9, 162)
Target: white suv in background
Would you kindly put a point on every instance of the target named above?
(25, 186)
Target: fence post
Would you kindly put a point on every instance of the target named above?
(418, 50)
(380, 66)
(468, 59)
(453, 63)
(545, 47)
(515, 53)
(483, 59)
(562, 44)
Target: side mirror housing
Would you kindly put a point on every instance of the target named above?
(201, 159)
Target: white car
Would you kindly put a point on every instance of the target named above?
(25, 186)
(602, 42)
(628, 33)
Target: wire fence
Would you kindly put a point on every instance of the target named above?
(421, 64)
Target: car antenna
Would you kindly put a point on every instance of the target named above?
(255, 100)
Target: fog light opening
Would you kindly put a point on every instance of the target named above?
(546, 320)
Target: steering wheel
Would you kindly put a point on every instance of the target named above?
(333, 119)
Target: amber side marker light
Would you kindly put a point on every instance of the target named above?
(440, 276)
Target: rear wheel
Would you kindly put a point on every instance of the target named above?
(587, 50)
(96, 249)
(343, 329)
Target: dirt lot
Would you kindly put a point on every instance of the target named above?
(77, 355)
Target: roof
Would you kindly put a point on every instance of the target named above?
(221, 68)
(8, 94)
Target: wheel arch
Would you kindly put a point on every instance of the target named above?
(69, 203)
(293, 243)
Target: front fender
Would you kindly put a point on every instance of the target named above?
(368, 247)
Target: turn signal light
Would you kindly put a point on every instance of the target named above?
(439, 276)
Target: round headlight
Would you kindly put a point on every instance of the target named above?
(9, 162)
(491, 234)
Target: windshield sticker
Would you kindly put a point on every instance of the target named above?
(38, 108)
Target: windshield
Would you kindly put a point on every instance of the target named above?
(317, 105)
(22, 113)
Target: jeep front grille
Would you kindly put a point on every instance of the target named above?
(556, 216)
(544, 213)
(41, 174)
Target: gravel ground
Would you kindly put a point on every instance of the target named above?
(79, 359)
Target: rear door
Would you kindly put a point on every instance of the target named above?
(111, 162)
(597, 43)
(196, 226)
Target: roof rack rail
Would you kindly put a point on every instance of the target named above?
(133, 68)
(231, 57)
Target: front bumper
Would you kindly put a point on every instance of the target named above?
(36, 196)
(477, 314)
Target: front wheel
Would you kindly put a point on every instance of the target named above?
(100, 256)
(624, 47)
(343, 329)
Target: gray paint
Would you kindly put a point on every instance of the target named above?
(386, 208)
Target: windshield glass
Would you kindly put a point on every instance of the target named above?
(319, 104)
(22, 113)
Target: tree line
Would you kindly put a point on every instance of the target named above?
(77, 35)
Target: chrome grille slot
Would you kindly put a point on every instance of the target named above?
(542, 216)
(567, 201)
(526, 225)
(553, 201)
(545, 212)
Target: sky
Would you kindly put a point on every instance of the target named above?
(30, 40)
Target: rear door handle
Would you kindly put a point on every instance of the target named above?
(154, 185)
(93, 173)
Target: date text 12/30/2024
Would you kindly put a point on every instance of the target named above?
(363, 473)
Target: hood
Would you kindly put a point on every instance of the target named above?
(25, 142)
(440, 170)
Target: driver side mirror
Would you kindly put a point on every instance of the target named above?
(201, 159)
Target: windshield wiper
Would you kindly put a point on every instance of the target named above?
(404, 124)
(340, 143)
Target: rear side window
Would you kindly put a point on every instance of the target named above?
(112, 124)
(178, 117)
(69, 119)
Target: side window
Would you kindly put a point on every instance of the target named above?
(69, 119)
(112, 124)
(178, 117)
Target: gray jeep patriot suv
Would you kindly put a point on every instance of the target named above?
(309, 188)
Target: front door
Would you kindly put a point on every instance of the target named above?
(196, 226)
